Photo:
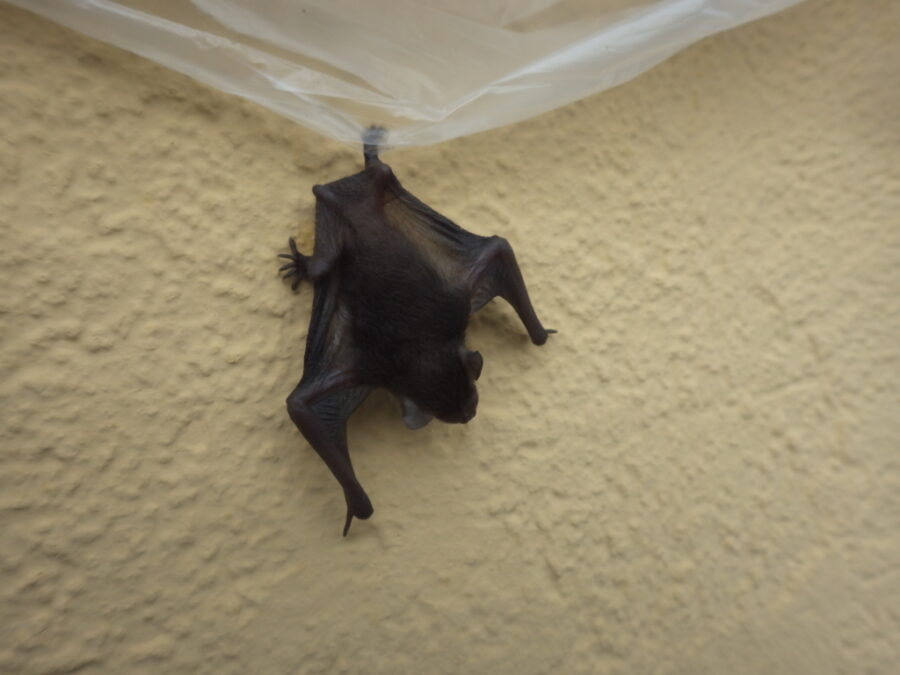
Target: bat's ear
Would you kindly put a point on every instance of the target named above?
(474, 363)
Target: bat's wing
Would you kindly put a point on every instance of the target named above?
(329, 392)
(485, 266)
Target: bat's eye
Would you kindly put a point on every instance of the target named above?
(474, 364)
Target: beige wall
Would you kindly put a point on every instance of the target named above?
(699, 474)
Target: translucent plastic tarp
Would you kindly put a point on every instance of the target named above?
(427, 70)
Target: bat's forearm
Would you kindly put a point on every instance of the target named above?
(323, 442)
(498, 267)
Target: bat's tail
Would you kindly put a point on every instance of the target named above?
(372, 137)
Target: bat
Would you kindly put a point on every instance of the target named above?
(394, 284)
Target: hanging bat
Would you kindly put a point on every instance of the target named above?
(394, 285)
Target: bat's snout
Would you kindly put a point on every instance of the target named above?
(461, 414)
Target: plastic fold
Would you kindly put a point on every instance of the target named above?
(427, 70)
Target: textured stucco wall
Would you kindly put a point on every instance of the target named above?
(699, 474)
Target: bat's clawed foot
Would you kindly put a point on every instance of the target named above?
(296, 268)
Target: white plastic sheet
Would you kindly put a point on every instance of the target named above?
(428, 70)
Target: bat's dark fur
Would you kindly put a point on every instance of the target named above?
(394, 286)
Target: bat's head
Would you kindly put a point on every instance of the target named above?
(446, 388)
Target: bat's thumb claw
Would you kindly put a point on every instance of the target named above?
(348, 521)
(540, 337)
(359, 506)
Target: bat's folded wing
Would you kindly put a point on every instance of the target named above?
(485, 267)
(328, 393)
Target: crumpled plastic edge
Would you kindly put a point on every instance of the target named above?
(643, 39)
